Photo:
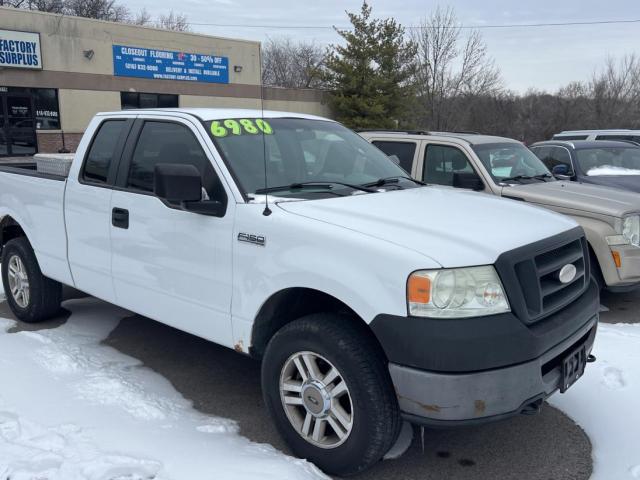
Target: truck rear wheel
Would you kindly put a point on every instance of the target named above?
(31, 296)
(328, 389)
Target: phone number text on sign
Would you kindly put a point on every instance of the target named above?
(169, 65)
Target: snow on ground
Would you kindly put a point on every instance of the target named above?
(606, 402)
(612, 170)
(73, 409)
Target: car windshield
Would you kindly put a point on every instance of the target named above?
(322, 156)
(511, 162)
(609, 161)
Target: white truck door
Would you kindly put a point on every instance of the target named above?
(88, 206)
(168, 264)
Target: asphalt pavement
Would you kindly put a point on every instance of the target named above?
(547, 446)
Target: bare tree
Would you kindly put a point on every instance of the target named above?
(109, 10)
(13, 3)
(616, 93)
(143, 18)
(51, 6)
(290, 64)
(100, 9)
(178, 22)
(450, 67)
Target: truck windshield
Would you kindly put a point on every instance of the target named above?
(299, 152)
(512, 162)
(609, 161)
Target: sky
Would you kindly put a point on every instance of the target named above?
(544, 58)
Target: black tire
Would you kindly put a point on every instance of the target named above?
(351, 349)
(45, 295)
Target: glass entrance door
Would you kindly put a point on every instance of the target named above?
(18, 135)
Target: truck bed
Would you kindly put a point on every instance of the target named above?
(36, 202)
(26, 167)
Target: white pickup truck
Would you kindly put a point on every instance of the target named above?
(368, 297)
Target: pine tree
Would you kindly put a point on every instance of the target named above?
(370, 76)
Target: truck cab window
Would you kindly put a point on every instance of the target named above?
(165, 142)
(441, 162)
(405, 151)
(98, 160)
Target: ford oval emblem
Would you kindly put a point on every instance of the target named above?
(567, 273)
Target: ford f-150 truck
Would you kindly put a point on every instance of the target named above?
(369, 297)
(505, 167)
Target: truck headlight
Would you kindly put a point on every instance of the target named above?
(631, 229)
(456, 293)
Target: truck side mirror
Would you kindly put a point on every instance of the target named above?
(182, 184)
(468, 180)
(561, 172)
(176, 182)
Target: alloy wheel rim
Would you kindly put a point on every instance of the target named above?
(316, 399)
(18, 281)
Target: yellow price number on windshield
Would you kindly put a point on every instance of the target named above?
(243, 126)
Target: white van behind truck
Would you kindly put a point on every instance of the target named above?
(369, 297)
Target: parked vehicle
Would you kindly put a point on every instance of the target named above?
(622, 134)
(608, 163)
(505, 167)
(368, 297)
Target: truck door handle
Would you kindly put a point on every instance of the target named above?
(120, 218)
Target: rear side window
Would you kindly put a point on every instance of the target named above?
(631, 138)
(405, 152)
(165, 142)
(441, 162)
(570, 137)
(98, 161)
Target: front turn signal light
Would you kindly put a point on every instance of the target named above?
(419, 289)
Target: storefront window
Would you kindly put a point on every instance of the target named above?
(39, 104)
(129, 100)
(47, 111)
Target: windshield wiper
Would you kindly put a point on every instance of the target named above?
(517, 178)
(313, 185)
(542, 176)
(387, 180)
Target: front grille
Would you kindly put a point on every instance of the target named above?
(531, 275)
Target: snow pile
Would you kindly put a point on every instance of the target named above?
(605, 403)
(72, 409)
(612, 170)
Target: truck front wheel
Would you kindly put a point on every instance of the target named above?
(31, 296)
(328, 389)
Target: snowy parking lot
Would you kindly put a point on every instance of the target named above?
(89, 397)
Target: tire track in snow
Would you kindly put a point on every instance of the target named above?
(73, 409)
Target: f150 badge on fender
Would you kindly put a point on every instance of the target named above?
(250, 238)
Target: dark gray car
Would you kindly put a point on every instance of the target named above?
(609, 163)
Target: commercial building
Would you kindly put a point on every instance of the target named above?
(57, 71)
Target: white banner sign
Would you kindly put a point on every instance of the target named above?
(20, 50)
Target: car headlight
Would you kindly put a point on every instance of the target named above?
(456, 293)
(631, 229)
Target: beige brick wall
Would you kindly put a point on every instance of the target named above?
(311, 108)
(218, 102)
(77, 107)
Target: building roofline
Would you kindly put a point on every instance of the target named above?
(125, 25)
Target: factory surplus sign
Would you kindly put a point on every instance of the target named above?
(169, 65)
(20, 50)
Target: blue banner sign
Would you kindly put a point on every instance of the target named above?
(169, 65)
